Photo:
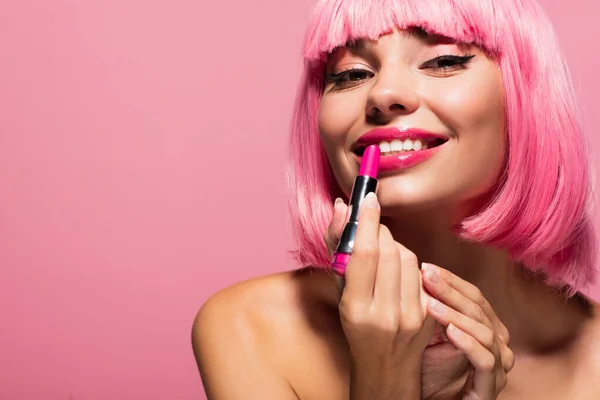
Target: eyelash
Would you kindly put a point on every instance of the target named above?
(459, 61)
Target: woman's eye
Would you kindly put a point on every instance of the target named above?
(447, 62)
(354, 76)
(347, 78)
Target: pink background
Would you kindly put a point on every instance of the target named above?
(140, 141)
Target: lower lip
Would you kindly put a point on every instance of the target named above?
(404, 160)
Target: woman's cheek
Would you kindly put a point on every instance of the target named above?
(470, 101)
(335, 120)
(337, 115)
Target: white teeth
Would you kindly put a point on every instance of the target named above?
(397, 145)
(402, 145)
(385, 147)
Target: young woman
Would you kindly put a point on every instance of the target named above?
(468, 264)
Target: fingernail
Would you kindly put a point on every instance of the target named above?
(436, 305)
(432, 275)
(454, 330)
(371, 200)
(338, 204)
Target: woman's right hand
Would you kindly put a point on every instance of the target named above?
(383, 309)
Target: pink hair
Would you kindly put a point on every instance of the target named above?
(540, 213)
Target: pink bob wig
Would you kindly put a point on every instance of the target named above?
(540, 212)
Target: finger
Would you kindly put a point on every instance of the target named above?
(362, 267)
(480, 332)
(484, 375)
(467, 390)
(502, 353)
(473, 293)
(410, 279)
(387, 281)
(334, 230)
(508, 357)
(448, 295)
(485, 337)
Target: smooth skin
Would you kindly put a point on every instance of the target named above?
(302, 335)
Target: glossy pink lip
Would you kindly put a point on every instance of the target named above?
(401, 160)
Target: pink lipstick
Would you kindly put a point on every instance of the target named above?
(404, 160)
(432, 143)
(365, 182)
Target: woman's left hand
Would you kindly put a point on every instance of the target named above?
(473, 327)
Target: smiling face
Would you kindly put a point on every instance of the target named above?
(411, 80)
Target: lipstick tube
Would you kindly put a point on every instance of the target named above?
(365, 182)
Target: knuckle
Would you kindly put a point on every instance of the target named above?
(410, 324)
(504, 334)
(508, 360)
(478, 313)
(408, 257)
(486, 363)
(477, 295)
(352, 312)
(384, 231)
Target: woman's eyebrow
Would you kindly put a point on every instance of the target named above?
(357, 45)
(434, 39)
(430, 38)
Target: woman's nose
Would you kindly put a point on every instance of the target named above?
(394, 93)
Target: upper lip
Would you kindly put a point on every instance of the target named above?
(378, 135)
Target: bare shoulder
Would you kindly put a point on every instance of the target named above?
(249, 327)
(262, 304)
